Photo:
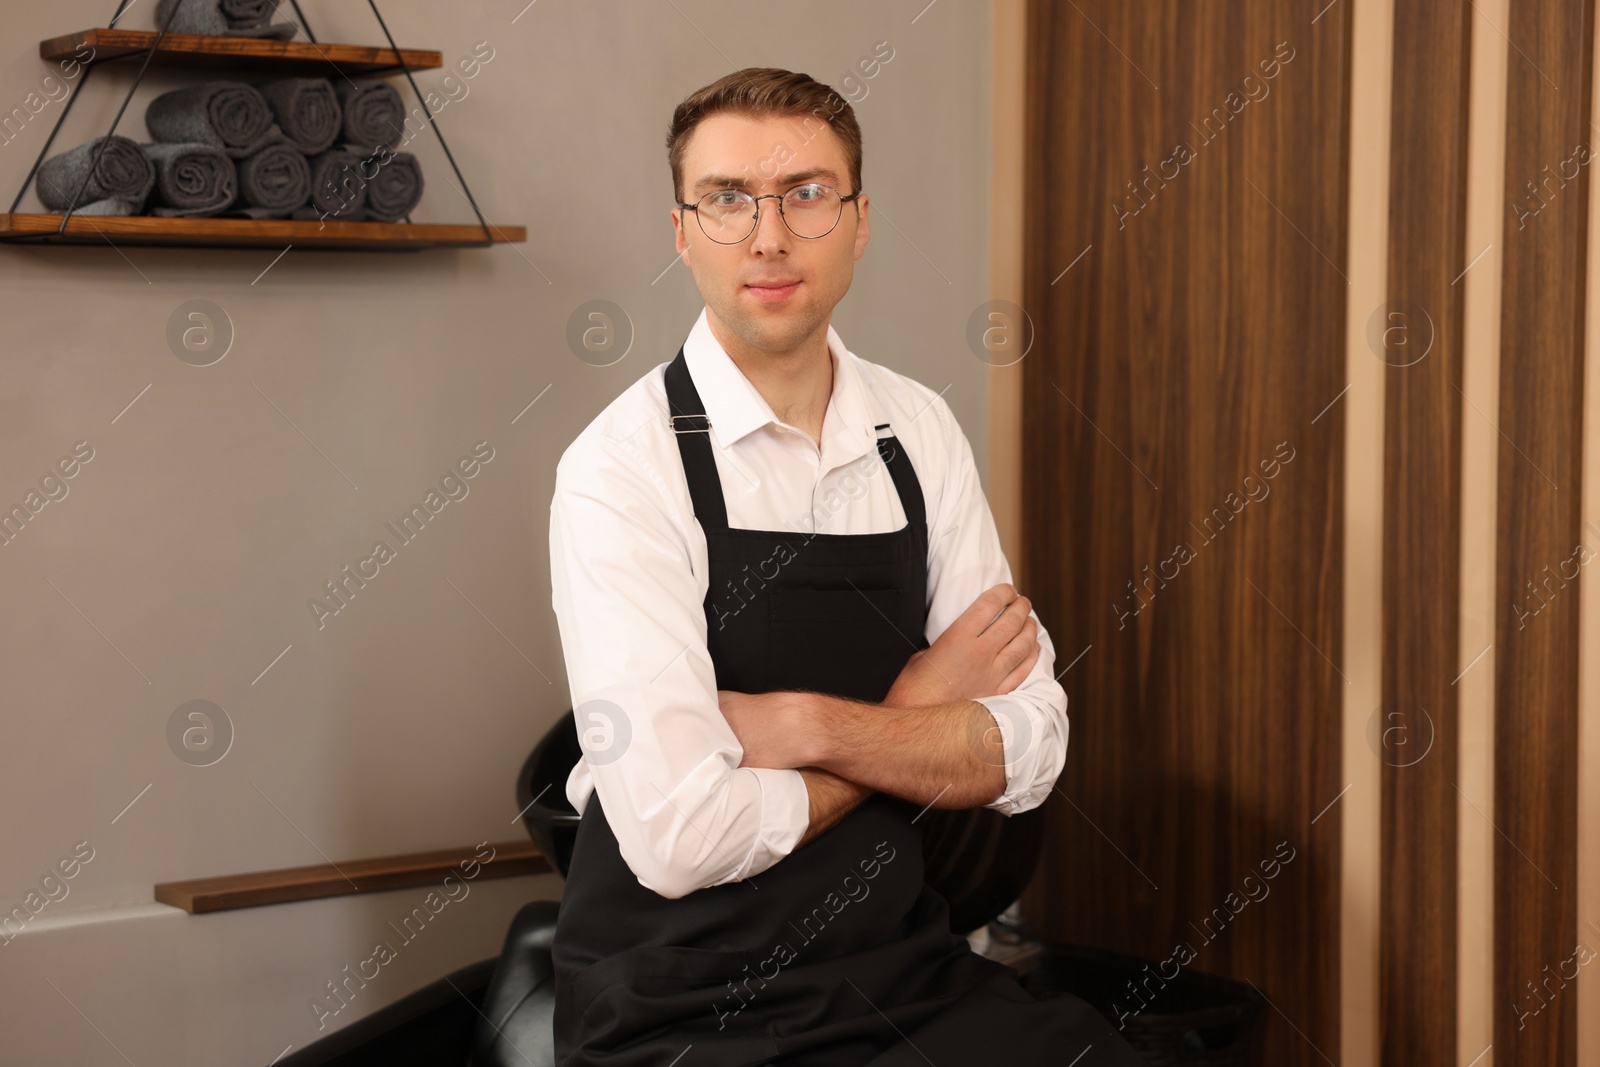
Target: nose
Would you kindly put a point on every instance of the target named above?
(772, 234)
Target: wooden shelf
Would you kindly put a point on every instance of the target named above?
(194, 50)
(509, 859)
(232, 53)
(26, 228)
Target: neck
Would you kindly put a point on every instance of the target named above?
(796, 384)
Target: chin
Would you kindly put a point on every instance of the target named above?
(769, 329)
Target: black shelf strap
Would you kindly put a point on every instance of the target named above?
(301, 15)
(122, 7)
(50, 140)
(488, 237)
(149, 54)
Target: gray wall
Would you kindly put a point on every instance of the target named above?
(220, 499)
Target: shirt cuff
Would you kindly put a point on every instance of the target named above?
(785, 816)
(1020, 734)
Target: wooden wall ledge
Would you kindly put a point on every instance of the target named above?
(508, 859)
(188, 49)
(41, 228)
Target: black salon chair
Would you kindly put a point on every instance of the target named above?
(976, 858)
(515, 1024)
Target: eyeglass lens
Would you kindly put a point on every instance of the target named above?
(728, 216)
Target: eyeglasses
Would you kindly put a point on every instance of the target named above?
(728, 216)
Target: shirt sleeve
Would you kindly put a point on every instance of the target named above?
(964, 559)
(663, 760)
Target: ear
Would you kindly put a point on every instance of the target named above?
(679, 239)
(863, 227)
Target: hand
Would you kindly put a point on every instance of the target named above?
(974, 657)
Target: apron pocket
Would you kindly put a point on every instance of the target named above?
(846, 606)
(858, 638)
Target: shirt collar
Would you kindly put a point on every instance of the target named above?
(736, 408)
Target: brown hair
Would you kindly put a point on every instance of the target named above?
(764, 92)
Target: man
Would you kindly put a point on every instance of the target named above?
(749, 549)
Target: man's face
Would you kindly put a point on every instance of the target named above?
(768, 156)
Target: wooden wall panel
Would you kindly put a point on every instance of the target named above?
(1421, 340)
(1197, 342)
(1541, 392)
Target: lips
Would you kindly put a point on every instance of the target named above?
(773, 292)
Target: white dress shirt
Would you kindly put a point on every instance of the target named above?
(628, 567)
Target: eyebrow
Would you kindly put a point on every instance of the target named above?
(722, 180)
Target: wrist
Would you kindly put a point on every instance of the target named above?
(900, 696)
(812, 730)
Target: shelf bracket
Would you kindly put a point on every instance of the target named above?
(488, 237)
(150, 54)
(88, 67)
(301, 15)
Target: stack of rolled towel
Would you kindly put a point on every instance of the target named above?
(362, 177)
(290, 148)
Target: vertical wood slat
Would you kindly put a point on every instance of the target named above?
(1189, 342)
(1007, 223)
(1587, 1002)
(1540, 419)
(1480, 605)
(1417, 727)
(1361, 533)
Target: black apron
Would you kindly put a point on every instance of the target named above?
(838, 954)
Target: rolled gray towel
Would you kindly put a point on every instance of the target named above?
(307, 110)
(374, 116)
(229, 18)
(228, 115)
(273, 182)
(123, 173)
(191, 179)
(338, 188)
(248, 12)
(108, 206)
(395, 189)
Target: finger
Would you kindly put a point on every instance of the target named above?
(1016, 677)
(1022, 652)
(1020, 668)
(1009, 623)
(985, 609)
(991, 606)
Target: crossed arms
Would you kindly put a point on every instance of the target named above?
(929, 741)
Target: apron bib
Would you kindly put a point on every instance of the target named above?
(840, 950)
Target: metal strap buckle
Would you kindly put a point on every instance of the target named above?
(673, 422)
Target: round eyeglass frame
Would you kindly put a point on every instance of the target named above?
(755, 221)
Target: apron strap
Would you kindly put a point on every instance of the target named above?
(693, 429)
(905, 478)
